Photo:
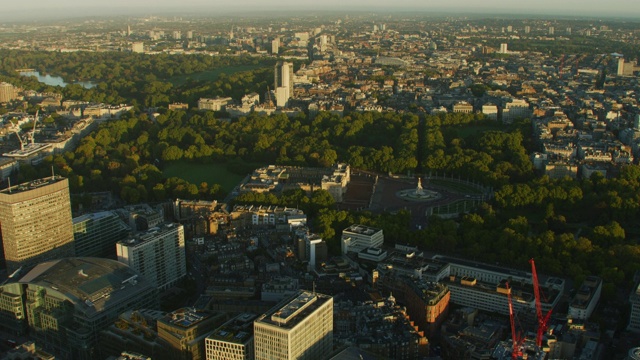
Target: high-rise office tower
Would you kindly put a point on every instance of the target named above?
(7, 92)
(300, 328)
(158, 254)
(552, 30)
(527, 29)
(36, 222)
(275, 46)
(283, 82)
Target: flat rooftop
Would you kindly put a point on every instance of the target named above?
(295, 310)
(483, 266)
(238, 330)
(429, 292)
(187, 317)
(32, 185)
(361, 229)
(586, 292)
(427, 266)
(27, 150)
(91, 283)
(93, 216)
(150, 234)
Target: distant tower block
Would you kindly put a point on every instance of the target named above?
(527, 29)
(552, 30)
(620, 66)
(503, 49)
(283, 82)
(7, 92)
(137, 47)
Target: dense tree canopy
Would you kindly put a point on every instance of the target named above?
(571, 227)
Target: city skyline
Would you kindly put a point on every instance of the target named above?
(40, 9)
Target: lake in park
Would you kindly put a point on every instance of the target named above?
(55, 80)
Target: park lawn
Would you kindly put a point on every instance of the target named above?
(210, 75)
(198, 173)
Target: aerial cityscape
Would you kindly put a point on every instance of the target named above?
(320, 181)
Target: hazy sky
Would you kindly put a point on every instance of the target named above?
(39, 9)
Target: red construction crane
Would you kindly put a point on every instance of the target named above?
(515, 353)
(543, 321)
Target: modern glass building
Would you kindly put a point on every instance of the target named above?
(96, 234)
(66, 303)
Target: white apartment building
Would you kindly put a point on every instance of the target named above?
(479, 285)
(158, 254)
(356, 238)
(483, 272)
(283, 83)
(300, 328)
(469, 292)
(311, 241)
